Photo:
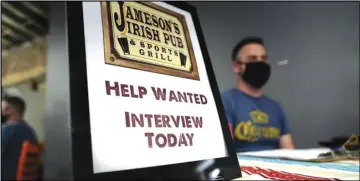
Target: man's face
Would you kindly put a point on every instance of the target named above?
(249, 53)
(6, 109)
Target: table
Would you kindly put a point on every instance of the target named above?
(256, 168)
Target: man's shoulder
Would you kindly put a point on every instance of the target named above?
(27, 131)
(26, 126)
(8, 126)
(226, 93)
(230, 94)
(272, 101)
(20, 126)
(8, 130)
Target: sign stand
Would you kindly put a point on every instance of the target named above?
(144, 102)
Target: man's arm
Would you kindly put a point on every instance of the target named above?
(286, 140)
(231, 130)
(228, 112)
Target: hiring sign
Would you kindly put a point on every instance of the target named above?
(150, 99)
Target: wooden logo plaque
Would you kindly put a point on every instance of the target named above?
(148, 37)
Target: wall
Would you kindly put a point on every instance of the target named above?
(34, 114)
(319, 87)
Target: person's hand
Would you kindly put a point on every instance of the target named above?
(286, 142)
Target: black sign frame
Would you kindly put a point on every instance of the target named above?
(80, 118)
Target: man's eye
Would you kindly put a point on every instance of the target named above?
(264, 57)
(252, 58)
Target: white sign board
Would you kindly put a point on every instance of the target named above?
(144, 112)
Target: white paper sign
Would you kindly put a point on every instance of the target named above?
(134, 123)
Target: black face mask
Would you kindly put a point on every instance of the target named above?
(256, 74)
(3, 118)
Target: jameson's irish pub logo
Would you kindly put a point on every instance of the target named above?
(145, 36)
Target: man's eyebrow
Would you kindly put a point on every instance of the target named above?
(252, 56)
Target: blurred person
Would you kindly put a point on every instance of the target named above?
(256, 121)
(14, 131)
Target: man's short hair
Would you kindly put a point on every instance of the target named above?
(243, 42)
(16, 102)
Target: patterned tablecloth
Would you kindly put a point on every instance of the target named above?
(255, 168)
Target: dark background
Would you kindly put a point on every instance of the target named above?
(319, 87)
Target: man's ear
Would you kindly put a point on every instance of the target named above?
(236, 67)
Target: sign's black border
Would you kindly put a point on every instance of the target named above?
(80, 119)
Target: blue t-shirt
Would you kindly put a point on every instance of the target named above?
(12, 137)
(257, 123)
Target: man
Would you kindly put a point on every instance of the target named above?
(256, 121)
(14, 131)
